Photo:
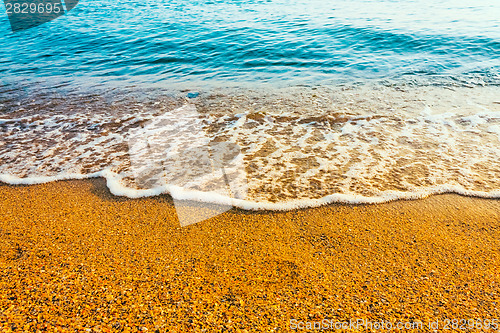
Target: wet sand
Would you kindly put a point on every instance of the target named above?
(72, 256)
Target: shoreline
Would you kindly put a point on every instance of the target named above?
(117, 189)
(75, 256)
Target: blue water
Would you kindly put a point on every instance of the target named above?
(279, 42)
(360, 101)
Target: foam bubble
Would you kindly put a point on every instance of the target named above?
(297, 147)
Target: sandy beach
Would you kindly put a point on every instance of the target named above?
(73, 256)
(250, 166)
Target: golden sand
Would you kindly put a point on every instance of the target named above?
(75, 257)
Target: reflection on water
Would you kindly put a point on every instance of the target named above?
(284, 41)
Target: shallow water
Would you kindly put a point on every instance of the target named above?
(258, 104)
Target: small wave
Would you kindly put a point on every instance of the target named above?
(115, 185)
(274, 149)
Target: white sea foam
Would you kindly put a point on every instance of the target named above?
(295, 148)
(116, 187)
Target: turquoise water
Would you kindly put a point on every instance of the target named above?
(357, 101)
(283, 42)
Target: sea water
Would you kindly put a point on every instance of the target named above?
(352, 101)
